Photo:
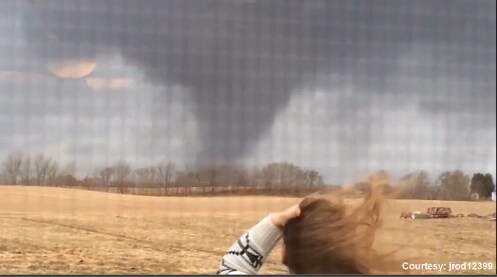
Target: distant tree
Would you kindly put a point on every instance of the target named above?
(256, 178)
(52, 173)
(269, 175)
(283, 176)
(453, 185)
(166, 173)
(66, 176)
(26, 171)
(208, 178)
(415, 185)
(313, 179)
(11, 169)
(146, 176)
(88, 182)
(213, 182)
(122, 171)
(45, 170)
(232, 177)
(242, 177)
(94, 181)
(106, 175)
(483, 184)
(187, 180)
(69, 169)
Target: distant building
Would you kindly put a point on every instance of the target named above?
(493, 196)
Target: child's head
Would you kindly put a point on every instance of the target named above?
(327, 239)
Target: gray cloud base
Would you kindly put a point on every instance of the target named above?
(381, 80)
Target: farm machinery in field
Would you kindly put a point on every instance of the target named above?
(440, 212)
(432, 212)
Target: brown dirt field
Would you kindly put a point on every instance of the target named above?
(64, 231)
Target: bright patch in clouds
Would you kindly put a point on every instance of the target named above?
(100, 84)
(71, 69)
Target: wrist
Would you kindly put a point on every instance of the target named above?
(277, 220)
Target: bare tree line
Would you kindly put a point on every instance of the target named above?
(38, 170)
(449, 185)
(164, 178)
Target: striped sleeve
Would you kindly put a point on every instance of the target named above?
(248, 254)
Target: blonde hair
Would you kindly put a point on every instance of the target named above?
(327, 239)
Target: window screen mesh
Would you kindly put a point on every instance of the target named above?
(209, 97)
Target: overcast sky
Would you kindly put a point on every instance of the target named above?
(345, 87)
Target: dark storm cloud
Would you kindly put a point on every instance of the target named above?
(242, 63)
(243, 60)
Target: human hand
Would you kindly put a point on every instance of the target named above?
(280, 219)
